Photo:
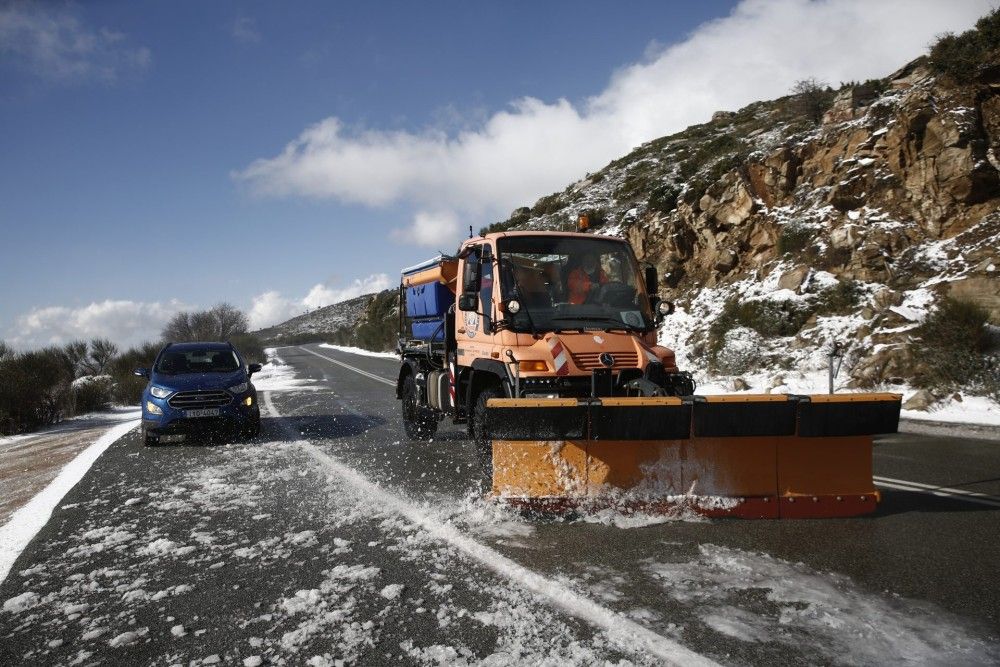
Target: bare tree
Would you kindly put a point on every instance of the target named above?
(76, 356)
(178, 329)
(221, 322)
(230, 320)
(5, 350)
(102, 353)
(811, 98)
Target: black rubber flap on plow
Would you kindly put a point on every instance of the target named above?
(743, 418)
(640, 422)
(538, 423)
(848, 418)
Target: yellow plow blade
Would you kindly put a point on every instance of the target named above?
(759, 456)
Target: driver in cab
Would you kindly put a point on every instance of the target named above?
(585, 277)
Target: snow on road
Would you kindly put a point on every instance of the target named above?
(281, 552)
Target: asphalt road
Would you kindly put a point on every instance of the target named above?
(331, 538)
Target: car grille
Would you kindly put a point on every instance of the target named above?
(193, 400)
(588, 361)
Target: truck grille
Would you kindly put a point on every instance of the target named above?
(193, 400)
(588, 361)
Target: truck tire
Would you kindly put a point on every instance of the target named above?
(481, 435)
(419, 422)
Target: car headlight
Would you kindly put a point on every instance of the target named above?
(153, 408)
(159, 392)
(239, 388)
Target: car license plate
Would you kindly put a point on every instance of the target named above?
(207, 412)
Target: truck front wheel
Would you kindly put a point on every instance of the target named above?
(480, 432)
(419, 422)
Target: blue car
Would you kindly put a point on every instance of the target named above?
(198, 390)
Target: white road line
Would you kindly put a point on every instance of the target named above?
(628, 634)
(379, 378)
(941, 491)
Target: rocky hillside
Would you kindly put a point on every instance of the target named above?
(825, 216)
(367, 321)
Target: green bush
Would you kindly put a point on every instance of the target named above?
(840, 299)
(794, 237)
(128, 388)
(955, 349)
(34, 389)
(963, 56)
(92, 393)
(767, 318)
(250, 347)
(663, 198)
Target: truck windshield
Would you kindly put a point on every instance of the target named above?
(566, 282)
(174, 362)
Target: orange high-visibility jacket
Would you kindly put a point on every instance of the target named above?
(580, 284)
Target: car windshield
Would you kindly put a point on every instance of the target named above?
(206, 360)
(565, 282)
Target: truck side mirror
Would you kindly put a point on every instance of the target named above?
(652, 280)
(472, 276)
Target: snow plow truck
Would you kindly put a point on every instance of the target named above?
(544, 345)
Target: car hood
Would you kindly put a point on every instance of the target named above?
(195, 381)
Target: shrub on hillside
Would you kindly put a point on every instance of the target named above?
(767, 318)
(740, 351)
(663, 198)
(955, 349)
(810, 99)
(963, 56)
(794, 237)
(840, 299)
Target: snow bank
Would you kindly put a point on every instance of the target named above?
(276, 375)
(361, 352)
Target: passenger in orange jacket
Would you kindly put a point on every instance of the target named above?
(584, 277)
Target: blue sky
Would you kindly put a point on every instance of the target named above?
(143, 160)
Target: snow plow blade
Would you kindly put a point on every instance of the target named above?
(750, 456)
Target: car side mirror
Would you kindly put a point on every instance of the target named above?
(253, 368)
(468, 301)
(141, 372)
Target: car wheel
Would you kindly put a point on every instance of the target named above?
(481, 434)
(147, 440)
(419, 422)
(253, 430)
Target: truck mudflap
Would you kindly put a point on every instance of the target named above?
(750, 456)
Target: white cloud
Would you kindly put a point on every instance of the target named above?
(124, 322)
(534, 147)
(429, 229)
(244, 29)
(271, 307)
(52, 43)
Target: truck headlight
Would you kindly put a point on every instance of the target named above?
(239, 388)
(153, 408)
(159, 392)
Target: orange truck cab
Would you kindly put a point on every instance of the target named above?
(529, 315)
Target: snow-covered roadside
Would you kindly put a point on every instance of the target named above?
(28, 520)
(276, 375)
(357, 350)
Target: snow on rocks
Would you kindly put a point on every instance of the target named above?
(20, 603)
(392, 591)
